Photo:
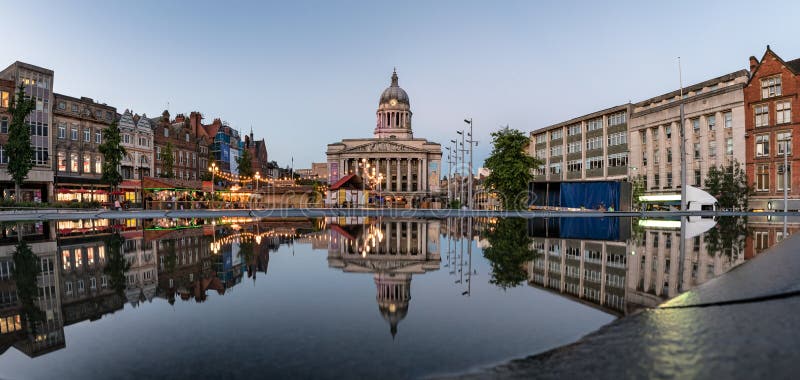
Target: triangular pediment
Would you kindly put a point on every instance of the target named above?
(381, 147)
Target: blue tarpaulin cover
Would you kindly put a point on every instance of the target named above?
(590, 194)
(589, 228)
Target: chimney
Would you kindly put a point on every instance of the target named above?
(753, 63)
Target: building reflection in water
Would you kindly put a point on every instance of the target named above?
(165, 258)
(622, 265)
(393, 250)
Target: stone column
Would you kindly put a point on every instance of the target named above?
(386, 175)
(408, 237)
(388, 236)
(398, 234)
(399, 177)
(408, 174)
(423, 175)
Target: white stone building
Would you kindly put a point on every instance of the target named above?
(401, 167)
(714, 123)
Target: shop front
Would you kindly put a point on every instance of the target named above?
(81, 190)
(131, 192)
(173, 194)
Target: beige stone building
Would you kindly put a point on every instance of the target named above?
(37, 83)
(714, 125)
(402, 167)
(78, 133)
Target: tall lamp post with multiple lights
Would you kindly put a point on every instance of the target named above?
(472, 142)
(455, 164)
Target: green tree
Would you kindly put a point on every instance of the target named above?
(729, 185)
(509, 251)
(511, 168)
(18, 148)
(26, 270)
(117, 266)
(727, 237)
(112, 152)
(638, 190)
(244, 164)
(167, 162)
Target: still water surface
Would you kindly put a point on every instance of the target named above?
(354, 297)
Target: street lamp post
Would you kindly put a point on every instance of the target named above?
(455, 164)
(258, 178)
(786, 179)
(213, 169)
(461, 180)
(470, 141)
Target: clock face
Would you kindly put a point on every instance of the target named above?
(393, 102)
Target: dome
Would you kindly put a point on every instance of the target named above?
(394, 92)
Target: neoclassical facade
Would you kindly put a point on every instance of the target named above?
(393, 161)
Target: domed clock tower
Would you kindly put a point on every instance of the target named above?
(394, 113)
(401, 170)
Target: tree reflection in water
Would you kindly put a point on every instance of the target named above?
(26, 270)
(509, 251)
(117, 266)
(728, 236)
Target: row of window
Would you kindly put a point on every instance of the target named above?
(74, 258)
(143, 141)
(711, 123)
(783, 142)
(763, 176)
(68, 288)
(572, 130)
(783, 113)
(614, 160)
(109, 116)
(87, 133)
(74, 163)
(186, 135)
(180, 157)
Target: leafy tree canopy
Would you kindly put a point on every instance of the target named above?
(511, 168)
(112, 152)
(244, 164)
(18, 148)
(509, 251)
(167, 162)
(729, 185)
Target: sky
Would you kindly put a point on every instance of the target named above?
(304, 74)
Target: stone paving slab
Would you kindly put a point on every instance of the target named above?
(743, 341)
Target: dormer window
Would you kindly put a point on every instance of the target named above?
(166, 132)
(771, 87)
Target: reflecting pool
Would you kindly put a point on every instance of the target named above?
(326, 298)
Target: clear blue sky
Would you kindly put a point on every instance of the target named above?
(305, 74)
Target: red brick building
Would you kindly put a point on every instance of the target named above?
(772, 117)
(189, 149)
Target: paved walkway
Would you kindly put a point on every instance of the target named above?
(65, 214)
(743, 325)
